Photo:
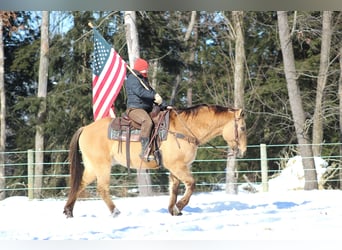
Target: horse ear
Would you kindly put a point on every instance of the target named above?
(241, 113)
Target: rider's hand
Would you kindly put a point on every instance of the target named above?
(158, 99)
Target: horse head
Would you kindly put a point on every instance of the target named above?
(234, 133)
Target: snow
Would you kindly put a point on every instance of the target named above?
(283, 214)
(210, 216)
(292, 176)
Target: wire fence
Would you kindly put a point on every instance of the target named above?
(262, 164)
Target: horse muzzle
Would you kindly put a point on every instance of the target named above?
(240, 153)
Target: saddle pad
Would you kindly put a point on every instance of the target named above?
(121, 135)
(119, 127)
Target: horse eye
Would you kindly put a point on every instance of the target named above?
(243, 129)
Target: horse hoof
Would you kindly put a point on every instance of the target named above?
(176, 212)
(116, 212)
(68, 213)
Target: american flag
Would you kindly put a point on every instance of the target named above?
(109, 72)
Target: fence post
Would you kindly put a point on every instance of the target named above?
(264, 167)
(30, 174)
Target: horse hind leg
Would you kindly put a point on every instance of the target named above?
(87, 178)
(69, 206)
(103, 182)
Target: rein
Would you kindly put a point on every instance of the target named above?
(193, 139)
(189, 139)
(236, 139)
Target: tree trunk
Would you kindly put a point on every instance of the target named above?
(2, 115)
(174, 89)
(154, 70)
(239, 62)
(191, 59)
(231, 174)
(297, 110)
(317, 132)
(340, 100)
(132, 37)
(42, 91)
(143, 178)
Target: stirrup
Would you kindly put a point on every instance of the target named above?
(147, 158)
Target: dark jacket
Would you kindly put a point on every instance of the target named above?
(137, 95)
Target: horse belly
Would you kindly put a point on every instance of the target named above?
(181, 152)
(118, 153)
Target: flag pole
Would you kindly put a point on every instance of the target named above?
(128, 67)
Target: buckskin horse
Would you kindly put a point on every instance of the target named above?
(188, 128)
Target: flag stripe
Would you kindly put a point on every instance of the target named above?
(103, 82)
(105, 79)
(108, 92)
(104, 76)
(106, 95)
(108, 76)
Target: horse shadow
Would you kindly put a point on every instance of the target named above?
(216, 207)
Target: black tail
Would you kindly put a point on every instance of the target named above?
(76, 169)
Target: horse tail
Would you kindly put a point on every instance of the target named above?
(76, 168)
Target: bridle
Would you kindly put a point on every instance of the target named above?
(234, 151)
(193, 139)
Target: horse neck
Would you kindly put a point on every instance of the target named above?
(204, 125)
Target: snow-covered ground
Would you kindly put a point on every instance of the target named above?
(286, 215)
(281, 214)
(292, 176)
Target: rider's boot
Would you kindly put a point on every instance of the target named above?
(145, 150)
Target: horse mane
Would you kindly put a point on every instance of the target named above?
(193, 110)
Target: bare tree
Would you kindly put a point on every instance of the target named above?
(296, 105)
(191, 59)
(317, 132)
(2, 113)
(340, 100)
(132, 39)
(231, 176)
(143, 178)
(5, 17)
(42, 92)
(239, 60)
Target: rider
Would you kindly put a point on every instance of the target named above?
(140, 100)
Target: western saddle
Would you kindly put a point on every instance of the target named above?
(124, 129)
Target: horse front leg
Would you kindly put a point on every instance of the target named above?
(173, 186)
(185, 176)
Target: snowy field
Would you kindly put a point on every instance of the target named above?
(280, 219)
(291, 215)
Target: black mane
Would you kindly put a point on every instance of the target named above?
(193, 110)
